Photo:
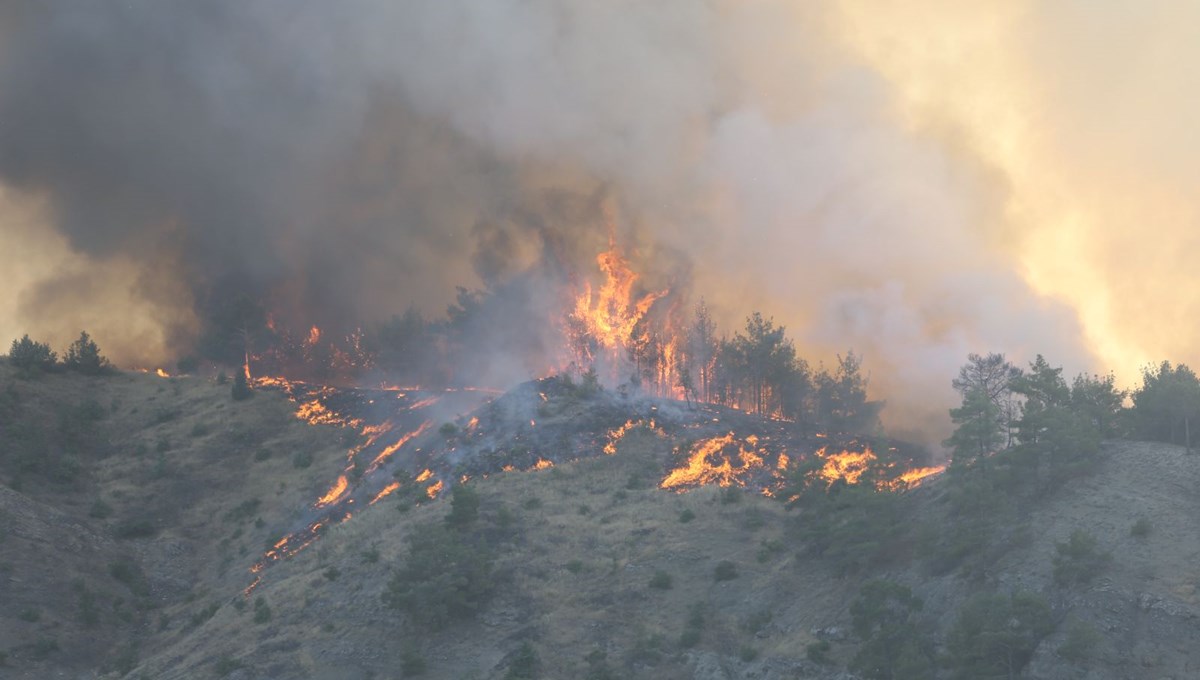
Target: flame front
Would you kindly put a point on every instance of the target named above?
(711, 463)
(335, 493)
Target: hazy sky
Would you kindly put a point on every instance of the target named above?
(913, 180)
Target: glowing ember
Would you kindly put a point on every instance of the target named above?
(542, 464)
(710, 462)
(161, 373)
(334, 494)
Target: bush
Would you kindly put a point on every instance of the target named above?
(412, 663)
(1081, 640)
(818, 652)
(1141, 528)
(893, 645)
(661, 580)
(84, 356)
(302, 460)
(262, 611)
(446, 576)
(725, 571)
(464, 507)
(693, 628)
(995, 635)
(1079, 560)
(226, 665)
(525, 664)
(29, 355)
(241, 387)
(686, 516)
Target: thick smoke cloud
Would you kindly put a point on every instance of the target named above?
(874, 180)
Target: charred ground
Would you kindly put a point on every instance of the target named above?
(153, 499)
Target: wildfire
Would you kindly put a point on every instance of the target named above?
(914, 477)
(387, 452)
(335, 493)
(713, 461)
(846, 465)
(425, 475)
(434, 489)
(161, 373)
(615, 436)
(387, 490)
(609, 316)
(542, 464)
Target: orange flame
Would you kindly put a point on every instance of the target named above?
(387, 490)
(434, 489)
(609, 316)
(708, 463)
(914, 477)
(542, 464)
(387, 452)
(335, 493)
(161, 373)
(426, 474)
(847, 465)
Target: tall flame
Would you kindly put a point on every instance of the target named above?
(611, 314)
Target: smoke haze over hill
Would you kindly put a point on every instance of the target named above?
(915, 184)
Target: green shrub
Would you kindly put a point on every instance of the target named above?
(575, 566)
(446, 576)
(532, 503)
(262, 611)
(1141, 528)
(302, 460)
(884, 617)
(29, 614)
(525, 664)
(100, 510)
(747, 653)
(448, 430)
(725, 571)
(661, 580)
(686, 516)
(412, 663)
(464, 507)
(135, 527)
(1082, 638)
(818, 652)
(226, 665)
(199, 430)
(241, 387)
(262, 454)
(693, 628)
(332, 573)
(1079, 560)
(371, 554)
(995, 635)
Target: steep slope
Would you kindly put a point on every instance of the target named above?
(579, 566)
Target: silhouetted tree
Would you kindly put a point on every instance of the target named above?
(702, 347)
(84, 356)
(991, 376)
(30, 355)
(979, 432)
(841, 398)
(1166, 404)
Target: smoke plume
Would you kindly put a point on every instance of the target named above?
(914, 184)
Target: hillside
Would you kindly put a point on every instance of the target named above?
(136, 507)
